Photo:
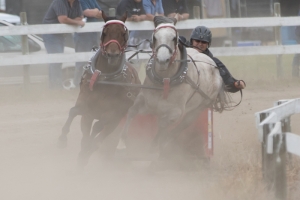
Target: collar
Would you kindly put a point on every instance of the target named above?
(178, 78)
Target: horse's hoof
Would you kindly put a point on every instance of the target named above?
(62, 142)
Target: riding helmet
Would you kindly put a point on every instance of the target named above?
(201, 33)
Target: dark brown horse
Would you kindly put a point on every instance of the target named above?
(103, 93)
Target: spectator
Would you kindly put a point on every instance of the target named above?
(176, 8)
(134, 8)
(84, 42)
(135, 13)
(64, 12)
(153, 8)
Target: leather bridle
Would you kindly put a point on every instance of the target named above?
(155, 49)
(103, 46)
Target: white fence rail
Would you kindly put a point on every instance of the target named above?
(147, 25)
(81, 57)
(274, 131)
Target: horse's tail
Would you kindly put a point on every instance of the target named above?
(223, 100)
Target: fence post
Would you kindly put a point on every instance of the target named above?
(25, 51)
(196, 12)
(111, 12)
(280, 184)
(277, 13)
(267, 159)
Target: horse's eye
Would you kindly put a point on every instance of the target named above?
(174, 39)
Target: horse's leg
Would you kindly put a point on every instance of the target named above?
(165, 122)
(188, 119)
(62, 140)
(171, 147)
(97, 128)
(84, 154)
(109, 128)
(132, 112)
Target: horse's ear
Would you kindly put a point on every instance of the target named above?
(124, 17)
(174, 20)
(104, 16)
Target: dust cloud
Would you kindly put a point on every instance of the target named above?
(33, 168)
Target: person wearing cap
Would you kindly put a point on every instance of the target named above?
(200, 40)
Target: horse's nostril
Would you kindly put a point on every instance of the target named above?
(168, 60)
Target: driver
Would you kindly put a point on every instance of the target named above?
(201, 39)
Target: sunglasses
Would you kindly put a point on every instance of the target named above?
(199, 41)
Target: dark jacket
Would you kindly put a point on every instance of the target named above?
(225, 74)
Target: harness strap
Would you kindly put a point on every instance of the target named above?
(166, 87)
(191, 82)
(127, 85)
(94, 79)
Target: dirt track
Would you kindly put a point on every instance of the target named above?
(33, 168)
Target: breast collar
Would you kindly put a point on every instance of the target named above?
(178, 78)
(117, 75)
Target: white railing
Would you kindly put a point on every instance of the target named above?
(147, 25)
(274, 131)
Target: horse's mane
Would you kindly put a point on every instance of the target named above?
(162, 19)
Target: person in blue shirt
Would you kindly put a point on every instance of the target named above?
(153, 8)
(60, 12)
(84, 42)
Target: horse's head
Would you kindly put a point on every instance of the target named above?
(114, 38)
(165, 40)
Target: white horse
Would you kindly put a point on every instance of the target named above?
(189, 80)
